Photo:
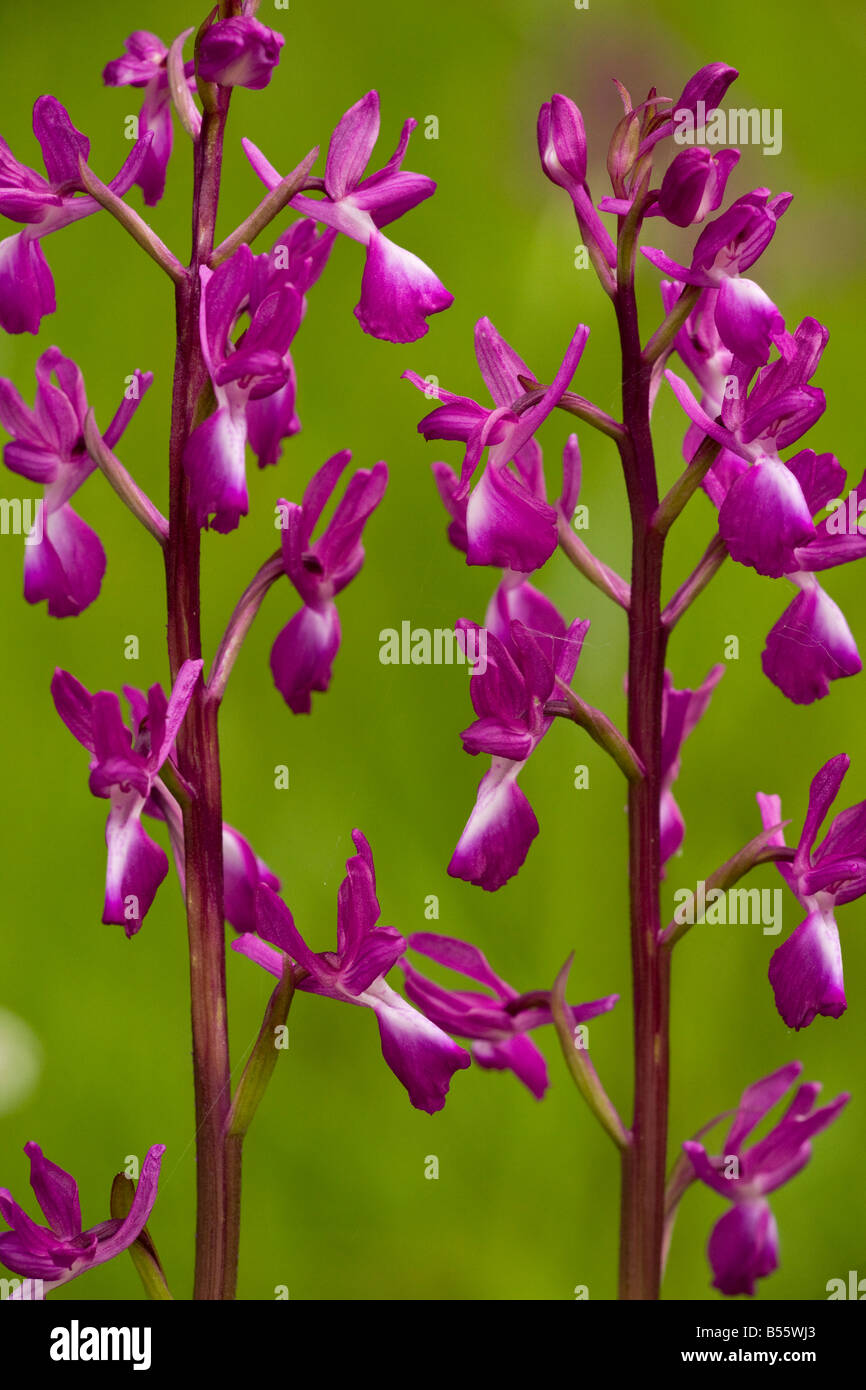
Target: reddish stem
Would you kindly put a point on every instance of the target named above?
(644, 1161)
(198, 762)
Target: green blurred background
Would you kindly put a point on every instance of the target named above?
(336, 1204)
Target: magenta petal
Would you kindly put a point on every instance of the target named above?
(351, 146)
(418, 1053)
(239, 52)
(398, 293)
(136, 865)
(810, 646)
(497, 836)
(129, 1229)
(319, 490)
(243, 871)
(215, 463)
(74, 704)
(694, 184)
(378, 953)
(523, 603)
(357, 904)
(461, 956)
(562, 143)
(757, 1101)
(672, 828)
(66, 567)
(448, 485)
(571, 477)
(26, 284)
(500, 364)
(491, 735)
(743, 1247)
(506, 525)
(17, 1254)
(339, 549)
(674, 269)
(747, 319)
(708, 85)
(174, 712)
(765, 517)
(56, 1192)
(60, 142)
(302, 655)
(806, 972)
(275, 923)
(256, 950)
(273, 419)
(518, 1054)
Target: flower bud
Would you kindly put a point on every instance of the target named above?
(562, 143)
(239, 52)
(694, 185)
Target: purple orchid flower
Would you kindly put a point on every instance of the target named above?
(764, 514)
(239, 52)
(497, 1023)
(65, 563)
(806, 970)
(297, 258)
(419, 1054)
(766, 519)
(61, 1250)
(398, 291)
(507, 519)
(45, 205)
(744, 1244)
(303, 653)
(682, 712)
(747, 319)
(521, 669)
(125, 769)
(253, 367)
(144, 65)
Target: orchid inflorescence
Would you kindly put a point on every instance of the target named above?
(238, 314)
